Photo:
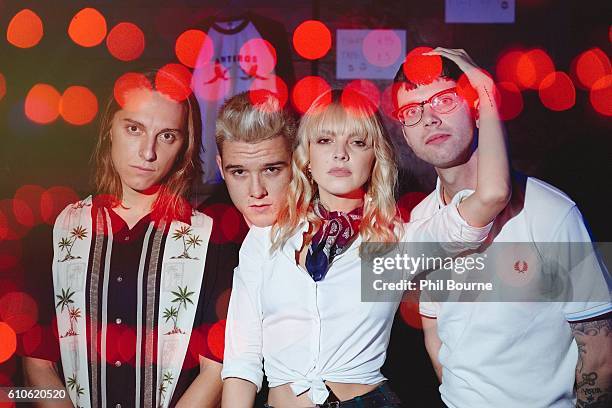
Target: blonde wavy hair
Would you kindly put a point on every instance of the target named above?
(171, 202)
(342, 112)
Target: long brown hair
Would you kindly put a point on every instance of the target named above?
(171, 202)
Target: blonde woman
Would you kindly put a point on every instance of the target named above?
(296, 300)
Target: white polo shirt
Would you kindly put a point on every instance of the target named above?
(308, 332)
(515, 354)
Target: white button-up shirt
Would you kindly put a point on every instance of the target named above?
(309, 332)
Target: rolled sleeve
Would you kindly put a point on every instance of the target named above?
(449, 227)
(243, 333)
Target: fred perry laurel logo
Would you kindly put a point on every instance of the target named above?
(521, 266)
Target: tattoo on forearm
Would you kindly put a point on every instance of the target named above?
(593, 380)
(488, 96)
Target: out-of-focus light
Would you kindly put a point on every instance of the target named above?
(8, 342)
(306, 90)
(18, 310)
(194, 48)
(407, 202)
(357, 103)
(88, 27)
(422, 69)
(366, 88)
(557, 91)
(2, 86)
(78, 105)
(126, 343)
(410, 314)
(211, 81)
(31, 339)
(273, 84)
(388, 100)
(532, 67)
(382, 48)
(174, 80)
(127, 82)
(216, 339)
(23, 213)
(312, 39)
(590, 66)
(257, 58)
(507, 66)
(601, 95)
(54, 200)
(222, 304)
(125, 41)
(25, 29)
(30, 194)
(510, 100)
(42, 104)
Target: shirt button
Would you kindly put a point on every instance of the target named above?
(126, 238)
(118, 406)
(119, 279)
(118, 320)
(117, 363)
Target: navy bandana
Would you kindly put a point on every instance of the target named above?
(333, 237)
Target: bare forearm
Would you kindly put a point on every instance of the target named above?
(205, 390)
(43, 374)
(594, 368)
(493, 186)
(238, 393)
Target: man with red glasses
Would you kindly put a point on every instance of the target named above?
(505, 354)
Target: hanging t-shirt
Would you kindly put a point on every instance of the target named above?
(236, 57)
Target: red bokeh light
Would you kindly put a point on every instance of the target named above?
(410, 314)
(8, 342)
(128, 82)
(407, 202)
(211, 81)
(125, 41)
(25, 29)
(174, 80)
(466, 90)
(312, 39)
(54, 200)
(601, 95)
(510, 100)
(42, 104)
(31, 195)
(356, 103)
(87, 28)
(216, 339)
(382, 48)
(366, 88)
(257, 58)
(557, 91)
(223, 303)
(422, 69)
(18, 310)
(306, 90)
(22, 213)
(78, 105)
(2, 86)
(507, 64)
(590, 66)
(31, 339)
(273, 84)
(127, 343)
(532, 67)
(388, 100)
(194, 48)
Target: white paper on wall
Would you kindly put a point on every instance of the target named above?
(369, 54)
(479, 11)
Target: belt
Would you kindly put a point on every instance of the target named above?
(381, 396)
